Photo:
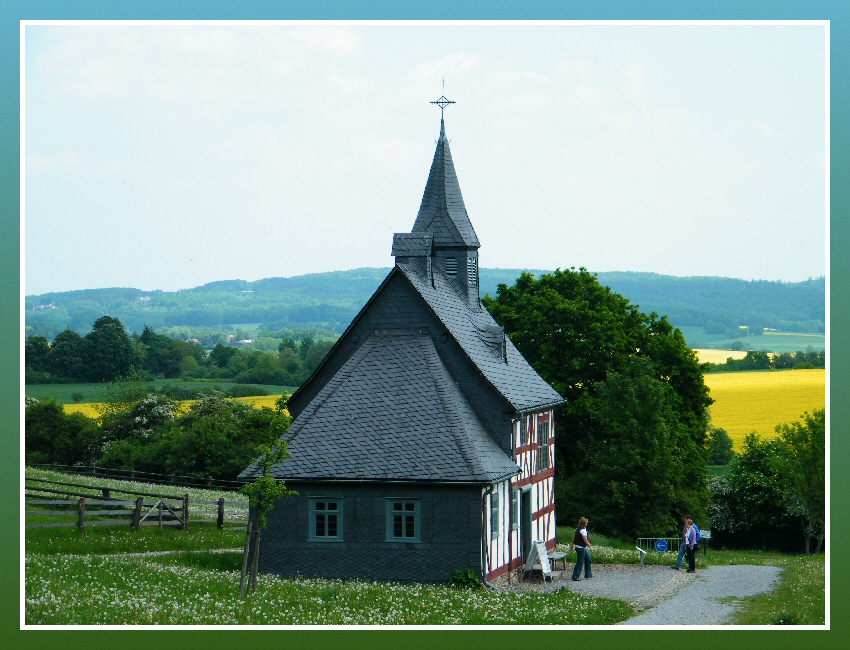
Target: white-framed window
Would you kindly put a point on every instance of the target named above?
(451, 266)
(325, 520)
(494, 514)
(542, 446)
(514, 507)
(404, 522)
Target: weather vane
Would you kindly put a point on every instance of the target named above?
(443, 102)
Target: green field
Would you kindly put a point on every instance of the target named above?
(771, 342)
(97, 392)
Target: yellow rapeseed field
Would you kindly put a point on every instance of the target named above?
(91, 410)
(718, 356)
(758, 401)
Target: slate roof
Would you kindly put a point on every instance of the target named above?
(442, 212)
(483, 340)
(412, 244)
(392, 412)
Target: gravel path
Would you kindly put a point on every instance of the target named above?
(662, 596)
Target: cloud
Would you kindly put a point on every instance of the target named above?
(425, 76)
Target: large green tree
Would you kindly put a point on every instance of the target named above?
(757, 499)
(109, 354)
(803, 468)
(67, 355)
(586, 340)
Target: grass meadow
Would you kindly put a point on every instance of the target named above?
(112, 575)
(759, 400)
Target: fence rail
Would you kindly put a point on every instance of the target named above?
(88, 509)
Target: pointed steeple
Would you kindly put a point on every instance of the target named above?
(442, 212)
(442, 236)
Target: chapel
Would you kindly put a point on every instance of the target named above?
(424, 441)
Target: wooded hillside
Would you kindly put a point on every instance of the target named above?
(330, 300)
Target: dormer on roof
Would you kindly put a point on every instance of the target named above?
(442, 216)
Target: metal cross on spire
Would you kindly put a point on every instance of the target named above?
(442, 103)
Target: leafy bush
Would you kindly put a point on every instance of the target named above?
(466, 579)
(52, 436)
(719, 447)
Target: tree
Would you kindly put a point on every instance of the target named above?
(719, 446)
(638, 478)
(109, 354)
(52, 436)
(218, 437)
(221, 355)
(68, 355)
(802, 465)
(262, 494)
(36, 352)
(576, 334)
(757, 498)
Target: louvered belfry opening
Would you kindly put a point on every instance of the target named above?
(442, 230)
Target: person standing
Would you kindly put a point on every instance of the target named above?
(583, 549)
(690, 539)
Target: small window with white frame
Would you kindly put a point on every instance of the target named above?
(514, 507)
(494, 514)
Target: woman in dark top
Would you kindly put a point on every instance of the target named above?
(583, 549)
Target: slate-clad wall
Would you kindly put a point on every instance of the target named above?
(399, 306)
(450, 534)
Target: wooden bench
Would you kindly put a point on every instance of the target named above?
(558, 556)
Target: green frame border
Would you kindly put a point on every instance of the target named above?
(12, 11)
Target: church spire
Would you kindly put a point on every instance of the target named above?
(442, 235)
(442, 212)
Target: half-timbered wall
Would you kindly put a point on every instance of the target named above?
(533, 439)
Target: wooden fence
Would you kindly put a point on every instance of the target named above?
(103, 509)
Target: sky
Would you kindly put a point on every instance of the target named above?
(168, 155)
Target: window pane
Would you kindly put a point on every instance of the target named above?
(409, 506)
(397, 526)
(332, 505)
(320, 525)
(410, 526)
(332, 526)
(320, 505)
(397, 505)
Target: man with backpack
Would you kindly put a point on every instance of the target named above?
(683, 547)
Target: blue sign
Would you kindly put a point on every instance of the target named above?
(660, 545)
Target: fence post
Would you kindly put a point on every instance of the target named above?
(159, 505)
(105, 492)
(137, 514)
(185, 512)
(221, 513)
(81, 513)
